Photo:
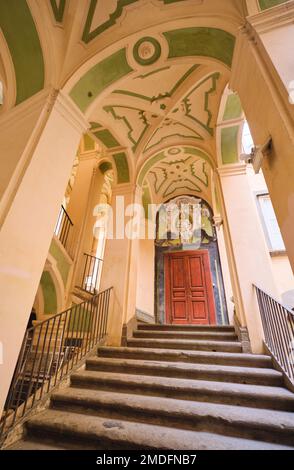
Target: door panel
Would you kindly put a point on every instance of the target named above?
(189, 290)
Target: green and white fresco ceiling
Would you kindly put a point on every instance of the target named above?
(25, 23)
(144, 89)
(176, 171)
(174, 102)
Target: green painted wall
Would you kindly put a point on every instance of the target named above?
(99, 77)
(265, 4)
(81, 320)
(146, 200)
(63, 264)
(107, 138)
(204, 42)
(24, 45)
(229, 138)
(122, 167)
(105, 166)
(233, 108)
(49, 293)
(89, 143)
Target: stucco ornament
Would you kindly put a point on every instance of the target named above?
(147, 51)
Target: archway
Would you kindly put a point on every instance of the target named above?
(178, 234)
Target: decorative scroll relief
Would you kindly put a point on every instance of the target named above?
(171, 128)
(102, 15)
(196, 105)
(132, 121)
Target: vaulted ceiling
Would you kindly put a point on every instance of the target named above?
(149, 75)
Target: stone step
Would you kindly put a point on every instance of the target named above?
(196, 345)
(227, 420)
(207, 372)
(157, 327)
(192, 357)
(106, 433)
(35, 444)
(201, 335)
(253, 396)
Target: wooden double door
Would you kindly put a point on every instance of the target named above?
(189, 296)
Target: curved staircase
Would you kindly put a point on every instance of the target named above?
(173, 387)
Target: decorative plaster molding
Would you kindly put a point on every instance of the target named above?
(66, 107)
(231, 122)
(218, 221)
(25, 109)
(124, 189)
(236, 169)
(96, 155)
(273, 18)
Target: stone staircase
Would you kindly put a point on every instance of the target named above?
(173, 387)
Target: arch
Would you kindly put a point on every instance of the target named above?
(161, 155)
(39, 303)
(229, 129)
(213, 43)
(203, 238)
(23, 41)
(49, 293)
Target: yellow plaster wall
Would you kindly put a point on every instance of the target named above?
(146, 275)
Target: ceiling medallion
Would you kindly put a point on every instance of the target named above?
(147, 51)
(174, 151)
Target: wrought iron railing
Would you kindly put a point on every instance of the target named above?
(63, 227)
(278, 326)
(50, 351)
(90, 273)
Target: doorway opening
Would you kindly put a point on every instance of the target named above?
(189, 286)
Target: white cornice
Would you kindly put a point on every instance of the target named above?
(231, 122)
(45, 100)
(273, 18)
(25, 109)
(235, 169)
(124, 189)
(66, 107)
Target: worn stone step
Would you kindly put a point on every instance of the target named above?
(35, 444)
(253, 396)
(192, 357)
(157, 327)
(201, 335)
(212, 372)
(109, 433)
(191, 345)
(228, 420)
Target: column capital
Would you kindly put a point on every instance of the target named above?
(124, 189)
(66, 107)
(95, 155)
(235, 169)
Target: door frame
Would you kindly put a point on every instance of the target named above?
(208, 283)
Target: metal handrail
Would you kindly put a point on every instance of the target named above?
(63, 227)
(278, 326)
(50, 351)
(90, 273)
